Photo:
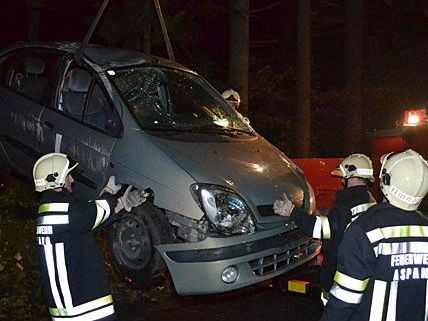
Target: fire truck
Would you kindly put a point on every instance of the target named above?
(410, 132)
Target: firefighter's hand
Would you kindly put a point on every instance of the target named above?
(133, 198)
(111, 187)
(284, 206)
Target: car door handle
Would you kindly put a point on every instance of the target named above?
(49, 124)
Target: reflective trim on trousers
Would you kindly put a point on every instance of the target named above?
(90, 316)
(82, 308)
(350, 282)
(53, 207)
(53, 219)
(345, 295)
(396, 232)
(378, 299)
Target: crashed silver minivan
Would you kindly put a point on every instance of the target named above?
(156, 124)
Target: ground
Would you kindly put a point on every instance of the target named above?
(21, 297)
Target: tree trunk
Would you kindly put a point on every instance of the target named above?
(353, 132)
(33, 23)
(303, 112)
(239, 50)
(147, 27)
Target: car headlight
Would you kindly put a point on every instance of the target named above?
(226, 211)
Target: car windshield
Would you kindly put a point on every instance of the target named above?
(168, 99)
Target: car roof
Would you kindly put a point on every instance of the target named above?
(102, 56)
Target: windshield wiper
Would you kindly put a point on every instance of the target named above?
(229, 131)
(209, 129)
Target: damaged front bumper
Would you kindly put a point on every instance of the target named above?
(196, 268)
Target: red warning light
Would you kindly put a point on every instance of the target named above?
(415, 117)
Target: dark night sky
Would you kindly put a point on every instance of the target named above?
(388, 31)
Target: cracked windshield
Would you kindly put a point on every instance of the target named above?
(171, 100)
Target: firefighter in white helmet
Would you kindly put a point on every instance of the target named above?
(382, 267)
(74, 280)
(356, 172)
(232, 97)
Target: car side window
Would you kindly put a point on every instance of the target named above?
(74, 92)
(99, 112)
(29, 72)
(82, 98)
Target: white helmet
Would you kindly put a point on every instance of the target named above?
(232, 97)
(50, 171)
(404, 179)
(355, 165)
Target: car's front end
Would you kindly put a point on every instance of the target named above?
(215, 179)
(220, 264)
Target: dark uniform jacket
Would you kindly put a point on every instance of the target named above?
(382, 269)
(74, 279)
(349, 204)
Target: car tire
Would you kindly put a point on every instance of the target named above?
(132, 239)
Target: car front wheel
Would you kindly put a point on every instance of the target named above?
(132, 239)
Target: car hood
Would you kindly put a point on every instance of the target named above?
(253, 167)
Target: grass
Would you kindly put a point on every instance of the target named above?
(20, 286)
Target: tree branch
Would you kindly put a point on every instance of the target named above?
(269, 6)
(263, 42)
(331, 4)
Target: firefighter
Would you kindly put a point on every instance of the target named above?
(356, 172)
(74, 279)
(382, 269)
(232, 97)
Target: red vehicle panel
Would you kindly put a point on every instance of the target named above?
(318, 174)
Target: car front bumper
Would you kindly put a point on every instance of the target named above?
(196, 268)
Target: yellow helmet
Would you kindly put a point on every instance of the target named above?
(404, 179)
(50, 171)
(355, 165)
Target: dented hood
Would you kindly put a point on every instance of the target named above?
(254, 168)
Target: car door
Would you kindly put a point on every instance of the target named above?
(82, 123)
(25, 76)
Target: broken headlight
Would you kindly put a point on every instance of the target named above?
(226, 211)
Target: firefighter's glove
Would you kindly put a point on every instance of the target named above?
(133, 198)
(111, 187)
(284, 206)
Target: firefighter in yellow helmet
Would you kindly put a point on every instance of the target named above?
(382, 266)
(356, 172)
(74, 280)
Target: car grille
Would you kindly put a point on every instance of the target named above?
(285, 260)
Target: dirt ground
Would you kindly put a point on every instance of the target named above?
(260, 302)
